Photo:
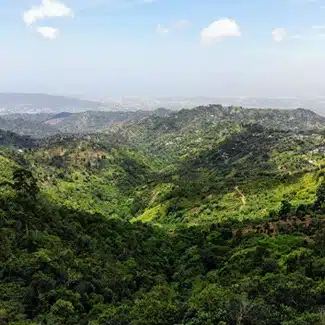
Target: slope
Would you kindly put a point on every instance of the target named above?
(266, 166)
(182, 176)
(43, 103)
(60, 266)
(43, 125)
(233, 232)
(88, 173)
(186, 168)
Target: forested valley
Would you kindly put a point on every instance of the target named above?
(213, 215)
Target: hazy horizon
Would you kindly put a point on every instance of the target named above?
(40, 102)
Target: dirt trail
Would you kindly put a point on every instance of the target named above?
(242, 196)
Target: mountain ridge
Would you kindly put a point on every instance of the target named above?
(42, 103)
(194, 220)
(90, 121)
(218, 154)
(137, 103)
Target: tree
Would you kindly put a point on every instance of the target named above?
(285, 209)
(157, 307)
(25, 184)
(209, 306)
(307, 319)
(320, 198)
(62, 313)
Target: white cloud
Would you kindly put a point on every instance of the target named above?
(47, 9)
(279, 34)
(219, 30)
(162, 30)
(48, 32)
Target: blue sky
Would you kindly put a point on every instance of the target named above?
(153, 48)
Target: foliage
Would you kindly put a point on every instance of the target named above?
(187, 221)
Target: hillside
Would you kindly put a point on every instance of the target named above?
(186, 168)
(43, 125)
(43, 103)
(13, 140)
(92, 121)
(154, 123)
(297, 119)
(26, 125)
(206, 216)
(64, 266)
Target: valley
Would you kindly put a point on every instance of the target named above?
(210, 215)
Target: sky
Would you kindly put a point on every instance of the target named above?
(163, 48)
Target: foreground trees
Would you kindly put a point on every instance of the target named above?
(59, 266)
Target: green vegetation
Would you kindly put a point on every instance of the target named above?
(186, 219)
(45, 124)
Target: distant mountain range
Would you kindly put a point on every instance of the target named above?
(42, 125)
(46, 124)
(314, 103)
(12, 103)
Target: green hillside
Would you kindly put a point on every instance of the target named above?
(44, 125)
(247, 175)
(206, 216)
(243, 172)
(62, 266)
(188, 169)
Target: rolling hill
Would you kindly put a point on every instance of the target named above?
(42, 125)
(193, 166)
(206, 216)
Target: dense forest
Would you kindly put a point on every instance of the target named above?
(206, 216)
